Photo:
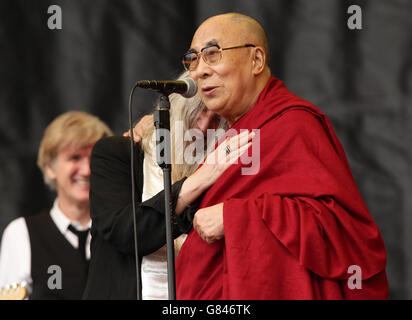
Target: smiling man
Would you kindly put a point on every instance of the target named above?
(296, 228)
(50, 250)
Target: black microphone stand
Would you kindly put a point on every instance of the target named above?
(164, 160)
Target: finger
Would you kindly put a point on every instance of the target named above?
(136, 132)
(241, 139)
(234, 156)
(195, 224)
(238, 152)
(207, 239)
(220, 154)
(137, 136)
(237, 147)
(202, 235)
(222, 151)
(233, 143)
(149, 119)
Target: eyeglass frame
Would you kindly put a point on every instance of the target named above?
(248, 45)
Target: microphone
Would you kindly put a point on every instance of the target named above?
(186, 87)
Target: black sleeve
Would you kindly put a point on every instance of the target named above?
(111, 200)
(184, 221)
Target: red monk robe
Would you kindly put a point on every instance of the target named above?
(293, 229)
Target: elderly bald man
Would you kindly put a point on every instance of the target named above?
(297, 228)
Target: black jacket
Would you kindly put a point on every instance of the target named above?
(112, 271)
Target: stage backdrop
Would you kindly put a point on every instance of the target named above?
(360, 78)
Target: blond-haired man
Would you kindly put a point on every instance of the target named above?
(50, 250)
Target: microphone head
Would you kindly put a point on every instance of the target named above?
(191, 87)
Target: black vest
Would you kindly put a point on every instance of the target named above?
(49, 248)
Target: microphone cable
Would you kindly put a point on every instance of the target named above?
(136, 249)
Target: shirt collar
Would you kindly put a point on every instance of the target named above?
(62, 221)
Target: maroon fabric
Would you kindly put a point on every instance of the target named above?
(292, 230)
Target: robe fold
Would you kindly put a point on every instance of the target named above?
(298, 228)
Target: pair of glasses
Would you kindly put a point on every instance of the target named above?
(210, 54)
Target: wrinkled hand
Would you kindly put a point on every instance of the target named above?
(219, 160)
(226, 154)
(140, 127)
(208, 222)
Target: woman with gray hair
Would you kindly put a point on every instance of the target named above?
(112, 273)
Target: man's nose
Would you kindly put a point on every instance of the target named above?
(84, 168)
(202, 70)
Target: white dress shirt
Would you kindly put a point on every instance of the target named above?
(154, 265)
(15, 250)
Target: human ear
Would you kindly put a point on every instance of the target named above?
(259, 60)
(50, 171)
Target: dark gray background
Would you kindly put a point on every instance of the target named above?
(361, 79)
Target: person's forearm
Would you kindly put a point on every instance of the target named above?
(214, 165)
(192, 188)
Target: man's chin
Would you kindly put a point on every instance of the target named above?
(81, 198)
(213, 105)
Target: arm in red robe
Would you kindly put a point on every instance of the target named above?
(294, 229)
(310, 216)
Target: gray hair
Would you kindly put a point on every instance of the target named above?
(187, 111)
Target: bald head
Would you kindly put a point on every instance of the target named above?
(231, 79)
(246, 29)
